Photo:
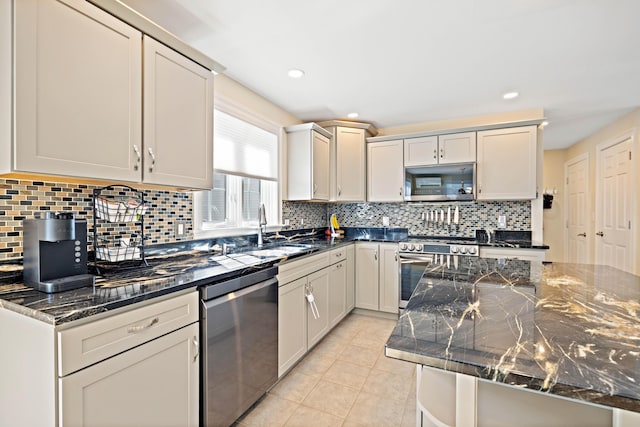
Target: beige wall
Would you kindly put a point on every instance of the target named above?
(553, 223)
(553, 170)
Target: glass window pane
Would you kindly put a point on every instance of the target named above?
(250, 199)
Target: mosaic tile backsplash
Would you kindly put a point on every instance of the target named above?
(20, 199)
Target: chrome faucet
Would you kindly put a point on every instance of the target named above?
(262, 221)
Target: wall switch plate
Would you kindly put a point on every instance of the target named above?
(502, 221)
(181, 229)
(286, 221)
(385, 221)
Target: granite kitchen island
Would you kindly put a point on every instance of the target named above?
(511, 342)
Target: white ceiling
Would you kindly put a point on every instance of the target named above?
(411, 61)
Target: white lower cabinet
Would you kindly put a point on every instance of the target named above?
(155, 384)
(351, 278)
(377, 276)
(324, 276)
(513, 253)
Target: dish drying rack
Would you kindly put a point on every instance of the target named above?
(118, 204)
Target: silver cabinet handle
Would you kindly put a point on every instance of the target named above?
(442, 153)
(339, 255)
(315, 188)
(401, 191)
(396, 253)
(136, 329)
(339, 190)
(153, 160)
(582, 234)
(137, 165)
(339, 265)
(600, 233)
(375, 255)
(435, 154)
(197, 347)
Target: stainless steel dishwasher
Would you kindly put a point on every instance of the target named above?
(239, 327)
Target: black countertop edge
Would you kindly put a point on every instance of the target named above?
(481, 371)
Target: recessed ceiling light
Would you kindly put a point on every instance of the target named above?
(295, 73)
(353, 115)
(510, 95)
(545, 123)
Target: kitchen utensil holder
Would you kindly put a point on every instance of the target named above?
(118, 204)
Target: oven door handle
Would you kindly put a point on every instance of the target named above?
(416, 257)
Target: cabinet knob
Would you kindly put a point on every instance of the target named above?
(153, 160)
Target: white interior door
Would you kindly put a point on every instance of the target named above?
(614, 197)
(578, 236)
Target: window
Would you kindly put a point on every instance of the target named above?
(245, 175)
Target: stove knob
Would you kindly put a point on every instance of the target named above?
(454, 249)
(472, 250)
(411, 247)
(419, 248)
(403, 246)
(463, 250)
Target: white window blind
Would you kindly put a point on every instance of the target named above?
(241, 148)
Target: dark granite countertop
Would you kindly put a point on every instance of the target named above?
(566, 329)
(184, 266)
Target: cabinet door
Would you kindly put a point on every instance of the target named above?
(155, 384)
(457, 148)
(178, 119)
(389, 278)
(351, 278)
(350, 164)
(318, 285)
(421, 151)
(320, 153)
(78, 77)
(337, 293)
(367, 276)
(292, 324)
(507, 164)
(385, 172)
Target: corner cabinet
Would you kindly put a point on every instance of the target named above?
(78, 105)
(348, 180)
(511, 153)
(385, 173)
(308, 162)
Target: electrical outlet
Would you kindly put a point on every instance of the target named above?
(286, 221)
(301, 221)
(502, 221)
(385, 221)
(181, 229)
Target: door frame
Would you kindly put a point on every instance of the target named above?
(565, 216)
(629, 134)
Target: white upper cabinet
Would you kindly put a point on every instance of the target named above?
(506, 167)
(78, 85)
(457, 148)
(178, 119)
(78, 104)
(308, 162)
(442, 149)
(385, 174)
(350, 165)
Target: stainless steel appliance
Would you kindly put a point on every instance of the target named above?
(418, 255)
(55, 252)
(440, 182)
(239, 327)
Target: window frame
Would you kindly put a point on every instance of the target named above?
(241, 112)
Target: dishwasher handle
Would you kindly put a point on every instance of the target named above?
(237, 294)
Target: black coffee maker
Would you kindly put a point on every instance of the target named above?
(55, 253)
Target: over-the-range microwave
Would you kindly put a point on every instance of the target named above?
(440, 182)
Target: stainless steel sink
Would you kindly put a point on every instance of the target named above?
(279, 251)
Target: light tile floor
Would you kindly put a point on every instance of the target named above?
(346, 380)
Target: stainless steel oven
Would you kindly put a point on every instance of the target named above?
(417, 257)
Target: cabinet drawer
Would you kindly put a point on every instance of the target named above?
(90, 343)
(337, 255)
(292, 270)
